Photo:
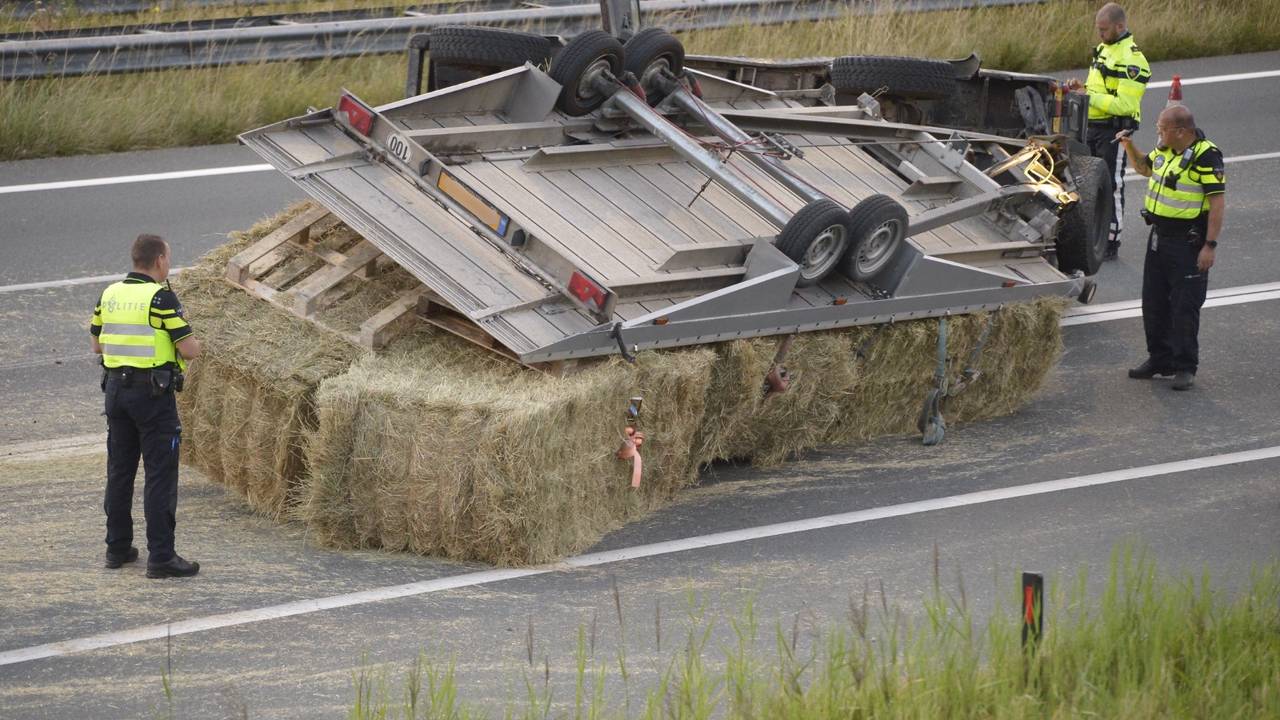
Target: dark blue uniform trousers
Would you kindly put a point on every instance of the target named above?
(1173, 291)
(146, 426)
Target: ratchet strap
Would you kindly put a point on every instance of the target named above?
(632, 439)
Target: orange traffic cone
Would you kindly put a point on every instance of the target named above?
(1175, 91)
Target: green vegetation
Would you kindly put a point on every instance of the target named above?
(66, 14)
(166, 109)
(1146, 648)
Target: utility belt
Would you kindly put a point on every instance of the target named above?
(1189, 233)
(161, 380)
(1115, 123)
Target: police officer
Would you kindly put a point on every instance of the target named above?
(1185, 205)
(1117, 79)
(139, 330)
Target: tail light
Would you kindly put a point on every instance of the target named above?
(357, 115)
(586, 290)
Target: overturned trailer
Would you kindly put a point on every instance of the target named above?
(617, 201)
(623, 200)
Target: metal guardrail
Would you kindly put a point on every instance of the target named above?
(310, 41)
(248, 20)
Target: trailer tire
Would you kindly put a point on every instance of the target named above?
(902, 76)
(816, 238)
(879, 237)
(1083, 230)
(487, 49)
(575, 63)
(650, 51)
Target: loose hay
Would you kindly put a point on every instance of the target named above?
(436, 447)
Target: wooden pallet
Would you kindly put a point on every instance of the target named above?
(281, 268)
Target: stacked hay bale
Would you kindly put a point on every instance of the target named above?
(249, 401)
(437, 447)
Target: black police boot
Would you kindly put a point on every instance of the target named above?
(1113, 250)
(175, 567)
(1184, 380)
(115, 560)
(1146, 371)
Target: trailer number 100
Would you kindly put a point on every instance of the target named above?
(399, 147)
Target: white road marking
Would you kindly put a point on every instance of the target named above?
(1218, 78)
(125, 179)
(71, 282)
(1131, 176)
(1087, 314)
(485, 577)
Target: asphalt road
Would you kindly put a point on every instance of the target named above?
(1089, 419)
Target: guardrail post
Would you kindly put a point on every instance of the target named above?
(620, 18)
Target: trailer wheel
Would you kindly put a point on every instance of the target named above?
(902, 76)
(648, 53)
(879, 235)
(575, 66)
(1082, 233)
(816, 238)
(461, 52)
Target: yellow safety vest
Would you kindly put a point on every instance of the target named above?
(1117, 79)
(1175, 189)
(130, 336)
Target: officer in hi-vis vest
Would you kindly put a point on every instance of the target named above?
(1184, 206)
(1118, 75)
(139, 330)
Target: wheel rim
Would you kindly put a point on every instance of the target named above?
(652, 70)
(878, 248)
(824, 252)
(586, 91)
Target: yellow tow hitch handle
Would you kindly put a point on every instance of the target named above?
(1039, 167)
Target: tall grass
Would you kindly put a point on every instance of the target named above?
(1145, 648)
(66, 14)
(177, 108)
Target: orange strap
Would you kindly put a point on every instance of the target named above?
(630, 450)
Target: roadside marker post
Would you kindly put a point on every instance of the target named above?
(1032, 608)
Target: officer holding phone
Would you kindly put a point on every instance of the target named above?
(139, 330)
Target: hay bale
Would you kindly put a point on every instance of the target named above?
(250, 400)
(437, 447)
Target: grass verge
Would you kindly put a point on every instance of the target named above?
(85, 115)
(1144, 648)
(54, 15)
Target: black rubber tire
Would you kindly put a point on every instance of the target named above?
(443, 76)
(875, 214)
(487, 48)
(1082, 234)
(806, 226)
(903, 76)
(648, 48)
(575, 60)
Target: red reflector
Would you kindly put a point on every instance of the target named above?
(1008, 284)
(358, 116)
(581, 287)
(662, 320)
(840, 301)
